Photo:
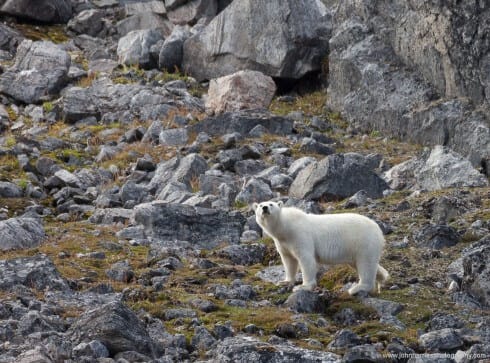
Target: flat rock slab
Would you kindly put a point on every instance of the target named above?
(37, 272)
(245, 349)
(206, 228)
(19, 233)
(243, 122)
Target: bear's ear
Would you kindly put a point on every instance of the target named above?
(280, 204)
(254, 206)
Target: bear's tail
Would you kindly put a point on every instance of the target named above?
(382, 275)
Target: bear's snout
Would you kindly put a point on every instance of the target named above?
(265, 209)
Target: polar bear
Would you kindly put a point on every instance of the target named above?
(306, 240)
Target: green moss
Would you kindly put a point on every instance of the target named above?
(48, 106)
(54, 33)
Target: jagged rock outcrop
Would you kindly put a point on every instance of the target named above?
(240, 38)
(434, 170)
(48, 11)
(336, 177)
(408, 69)
(114, 325)
(19, 233)
(40, 71)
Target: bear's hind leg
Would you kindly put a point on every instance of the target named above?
(367, 277)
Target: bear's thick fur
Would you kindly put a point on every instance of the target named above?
(306, 240)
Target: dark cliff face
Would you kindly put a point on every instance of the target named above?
(420, 69)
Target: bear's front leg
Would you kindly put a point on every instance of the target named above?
(309, 269)
(290, 268)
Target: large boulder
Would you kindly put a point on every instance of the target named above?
(413, 70)
(476, 272)
(48, 11)
(436, 169)
(267, 36)
(172, 50)
(243, 122)
(36, 272)
(114, 325)
(203, 227)
(240, 90)
(134, 47)
(122, 102)
(9, 39)
(20, 233)
(39, 72)
(191, 11)
(184, 170)
(336, 177)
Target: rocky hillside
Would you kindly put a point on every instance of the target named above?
(135, 135)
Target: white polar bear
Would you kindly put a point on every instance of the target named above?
(308, 240)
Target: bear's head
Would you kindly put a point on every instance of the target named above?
(266, 210)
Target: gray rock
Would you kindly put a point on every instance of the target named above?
(48, 11)
(345, 338)
(369, 51)
(243, 122)
(243, 29)
(144, 21)
(21, 233)
(238, 291)
(303, 301)
(436, 236)
(10, 39)
(173, 137)
(357, 200)
(254, 190)
(442, 320)
(310, 145)
(206, 228)
(244, 254)
(347, 317)
(192, 10)
(206, 306)
(183, 170)
(39, 72)
(152, 6)
(179, 313)
(111, 216)
(10, 190)
(299, 164)
(202, 339)
(244, 349)
(36, 272)
(363, 353)
(441, 168)
(172, 50)
(104, 99)
(337, 176)
(115, 326)
(383, 307)
(134, 47)
(476, 271)
(443, 340)
(131, 191)
(121, 272)
(88, 22)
